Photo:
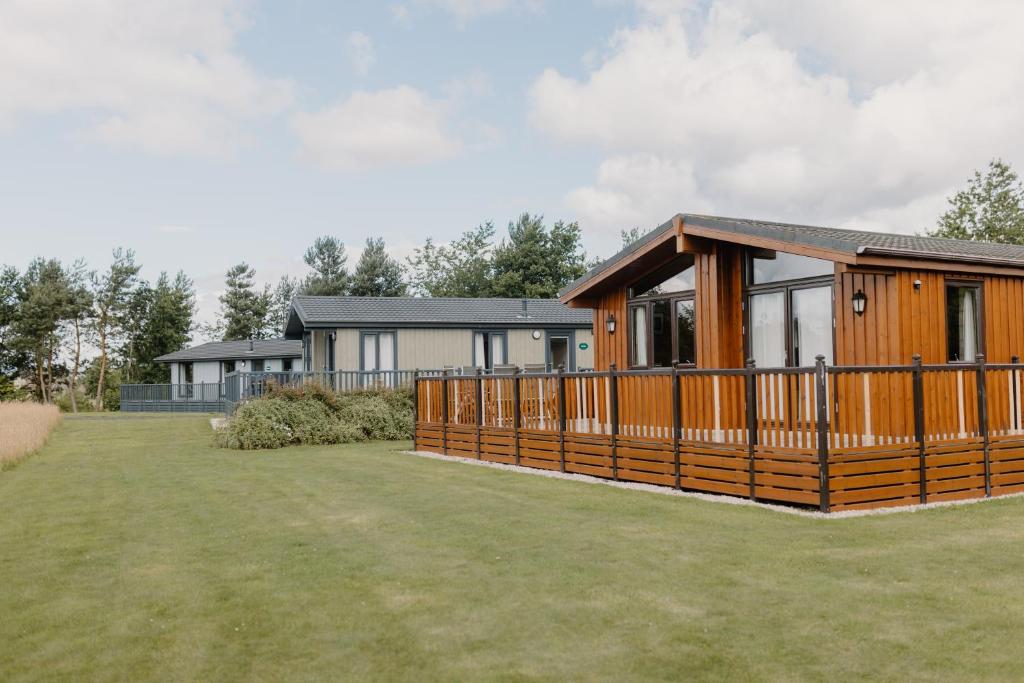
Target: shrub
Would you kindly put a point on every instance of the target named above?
(312, 415)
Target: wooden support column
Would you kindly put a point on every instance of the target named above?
(821, 386)
(560, 378)
(516, 413)
(614, 417)
(444, 412)
(983, 422)
(677, 426)
(918, 384)
(479, 408)
(751, 400)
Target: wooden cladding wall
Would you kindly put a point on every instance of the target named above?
(611, 348)
(901, 320)
(719, 298)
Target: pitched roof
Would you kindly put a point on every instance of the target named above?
(237, 350)
(362, 311)
(840, 241)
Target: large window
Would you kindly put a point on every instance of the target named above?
(963, 338)
(489, 349)
(662, 325)
(378, 351)
(789, 310)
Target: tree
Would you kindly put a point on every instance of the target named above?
(377, 274)
(536, 262)
(462, 268)
(166, 326)
(327, 258)
(287, 288)
(244, 311)
(991, 209)
(42, 304)
(630, 236)
(112, 292)
(77, 315)
(11, 358)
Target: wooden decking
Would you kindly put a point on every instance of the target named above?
(879, 436)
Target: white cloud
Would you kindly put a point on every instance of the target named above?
(175, 229)
(400, 126)
(361, 53)
(161, 75)
(796, 110)
(466, 10)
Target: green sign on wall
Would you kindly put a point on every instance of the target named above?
(584, 346)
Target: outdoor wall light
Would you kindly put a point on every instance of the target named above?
(860, 302)
(536, 334)
(610, 323)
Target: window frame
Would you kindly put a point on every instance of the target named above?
(376, 348)
(786, 287)
(647, 302)
(490, 347)
(979, 315)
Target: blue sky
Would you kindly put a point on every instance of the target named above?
(205, 132)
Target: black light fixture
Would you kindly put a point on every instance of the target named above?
(860, 302)
(610, 323)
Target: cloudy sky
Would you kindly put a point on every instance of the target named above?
(204, 132)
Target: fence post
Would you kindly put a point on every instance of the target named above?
(479, 408)
(415, 405)
(821, 388)
(614, 390)
(751, 401)
(1014, 403)
(677, 426)
(560, 378)
(983, 421)
(444, 412)
(918, 386)
(516, 415)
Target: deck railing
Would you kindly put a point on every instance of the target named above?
(194, 397)
(830, 436)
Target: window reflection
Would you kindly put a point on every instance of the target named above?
(686, 331)
(788, 267)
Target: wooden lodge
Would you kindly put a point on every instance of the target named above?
(796, 364)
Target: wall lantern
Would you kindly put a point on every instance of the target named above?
(610, 323)
(536, 334)
(860, 302)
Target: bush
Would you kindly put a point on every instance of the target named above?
(312, 415)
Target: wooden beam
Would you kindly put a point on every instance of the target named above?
(688, 244)
(944, 266)
(768, 243)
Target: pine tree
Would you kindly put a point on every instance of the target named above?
(991, 209)
(327, 259)
(166, 326)
(244, 310)
(111, 292)
(43, 303)
(287, 287)
(377, 274)
(535, 262)
(77, 315)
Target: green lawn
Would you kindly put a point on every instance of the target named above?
(132, 549)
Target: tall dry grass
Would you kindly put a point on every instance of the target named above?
(24, 427)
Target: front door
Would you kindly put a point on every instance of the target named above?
(558, 352)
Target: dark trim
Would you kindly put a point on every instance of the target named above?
(979, 321)
(570, 336)
(647, 302)
(527, 323)
(490, 347)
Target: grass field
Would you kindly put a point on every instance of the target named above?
(131, 549)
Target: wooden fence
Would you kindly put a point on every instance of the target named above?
(831, 437)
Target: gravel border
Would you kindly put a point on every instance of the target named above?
(724, 500)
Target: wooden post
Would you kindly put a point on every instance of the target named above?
(1014, 406)
(918, 384)
(677, 426)
(444, 412)
(516, 416)
(751, 400)
(479, 408)
(415, 405)
(821, 387)
(983, 422)
(614, 417)
(560, 378)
